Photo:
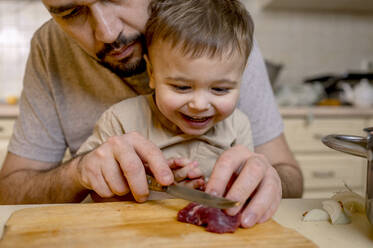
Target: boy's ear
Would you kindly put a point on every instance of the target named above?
(149, 69)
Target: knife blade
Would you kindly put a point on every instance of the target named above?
(191, 194)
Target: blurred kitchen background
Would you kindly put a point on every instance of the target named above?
(319, 56)
(18, 20)
(321, 41)
(316, 40)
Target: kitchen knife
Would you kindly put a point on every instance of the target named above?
(191, 194)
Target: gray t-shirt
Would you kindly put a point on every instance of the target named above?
(65, 91)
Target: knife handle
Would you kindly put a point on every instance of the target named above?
(154, 185)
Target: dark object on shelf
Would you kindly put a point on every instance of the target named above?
(330, 81)
(273, 70)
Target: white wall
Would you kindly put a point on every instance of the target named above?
(308, 43)
(18, 21)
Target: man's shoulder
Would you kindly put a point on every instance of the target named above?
(52, 39)
(48, 31)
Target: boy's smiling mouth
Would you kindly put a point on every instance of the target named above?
(197, 119)
(197, 122)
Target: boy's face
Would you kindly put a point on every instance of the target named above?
(110, 31)
(194, 94)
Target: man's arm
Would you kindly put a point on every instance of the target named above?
(279, 155)
(116, 167)
(29, 181)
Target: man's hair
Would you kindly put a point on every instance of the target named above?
(201, 27)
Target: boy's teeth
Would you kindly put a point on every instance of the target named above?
(197, 119)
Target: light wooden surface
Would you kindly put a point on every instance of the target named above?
(325, 235)
(128, 224)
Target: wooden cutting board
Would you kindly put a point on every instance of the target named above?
(129, 224)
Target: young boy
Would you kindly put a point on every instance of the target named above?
(197, 52)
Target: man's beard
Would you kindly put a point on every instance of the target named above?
(124, 68)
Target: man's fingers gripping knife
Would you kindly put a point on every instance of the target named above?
(115, 179)
(147, 152)
(99, 171)
(131, 167)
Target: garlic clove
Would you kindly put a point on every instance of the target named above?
(316, 215)
(335, 211)
(352, 202)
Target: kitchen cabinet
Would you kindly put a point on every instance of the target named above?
(325, 170)
(6, 129)
(8, 115)
(321, 5)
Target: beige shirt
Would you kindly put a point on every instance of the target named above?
(141, 115)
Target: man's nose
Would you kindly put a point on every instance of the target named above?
(199, 102)
(106, 25)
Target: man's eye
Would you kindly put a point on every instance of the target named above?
(73, 13)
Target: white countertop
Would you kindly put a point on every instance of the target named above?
(9, 111)
(330, 111)
(359, 233)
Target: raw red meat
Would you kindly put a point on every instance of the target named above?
(214, 219)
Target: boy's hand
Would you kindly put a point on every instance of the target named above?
(186, 172)
(255, 179)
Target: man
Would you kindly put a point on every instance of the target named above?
(90, 57)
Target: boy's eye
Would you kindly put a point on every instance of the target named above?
(181, 87)
(220, 90)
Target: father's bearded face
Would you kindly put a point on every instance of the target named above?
(124, 56)
(110, 31)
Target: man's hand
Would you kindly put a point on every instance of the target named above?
(117, 167)
(256, 185)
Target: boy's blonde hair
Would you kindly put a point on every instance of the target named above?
(201, 27)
